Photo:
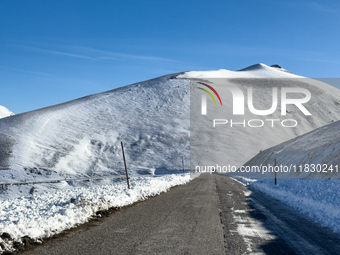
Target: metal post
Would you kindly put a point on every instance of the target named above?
(127, 177)
(183, 164)
(274, 170)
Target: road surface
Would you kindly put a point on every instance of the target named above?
(212, 214)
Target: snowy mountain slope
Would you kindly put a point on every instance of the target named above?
(4, 112)
(82, 137)
(234, 145)
(320, 147)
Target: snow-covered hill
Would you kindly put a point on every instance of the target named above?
(82, 137)
(4, 112)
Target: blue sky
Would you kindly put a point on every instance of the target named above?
(56, 51)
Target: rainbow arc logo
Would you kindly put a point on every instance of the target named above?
(204, 98)
(213, 90)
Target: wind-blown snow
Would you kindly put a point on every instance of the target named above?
(4, 112)
(43, 215)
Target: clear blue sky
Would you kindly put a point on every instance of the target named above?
(56, 51)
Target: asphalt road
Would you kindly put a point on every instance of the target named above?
(212, 214)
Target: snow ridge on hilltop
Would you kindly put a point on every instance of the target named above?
(4, 112)
(255, 71)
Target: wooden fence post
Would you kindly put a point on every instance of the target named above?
(274, 169)
(183, 164)
(127, 177)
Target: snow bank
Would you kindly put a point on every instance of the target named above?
(317, 198)
(46, 214)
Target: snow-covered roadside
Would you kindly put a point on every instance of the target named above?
(46, 214)
(319, 199)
